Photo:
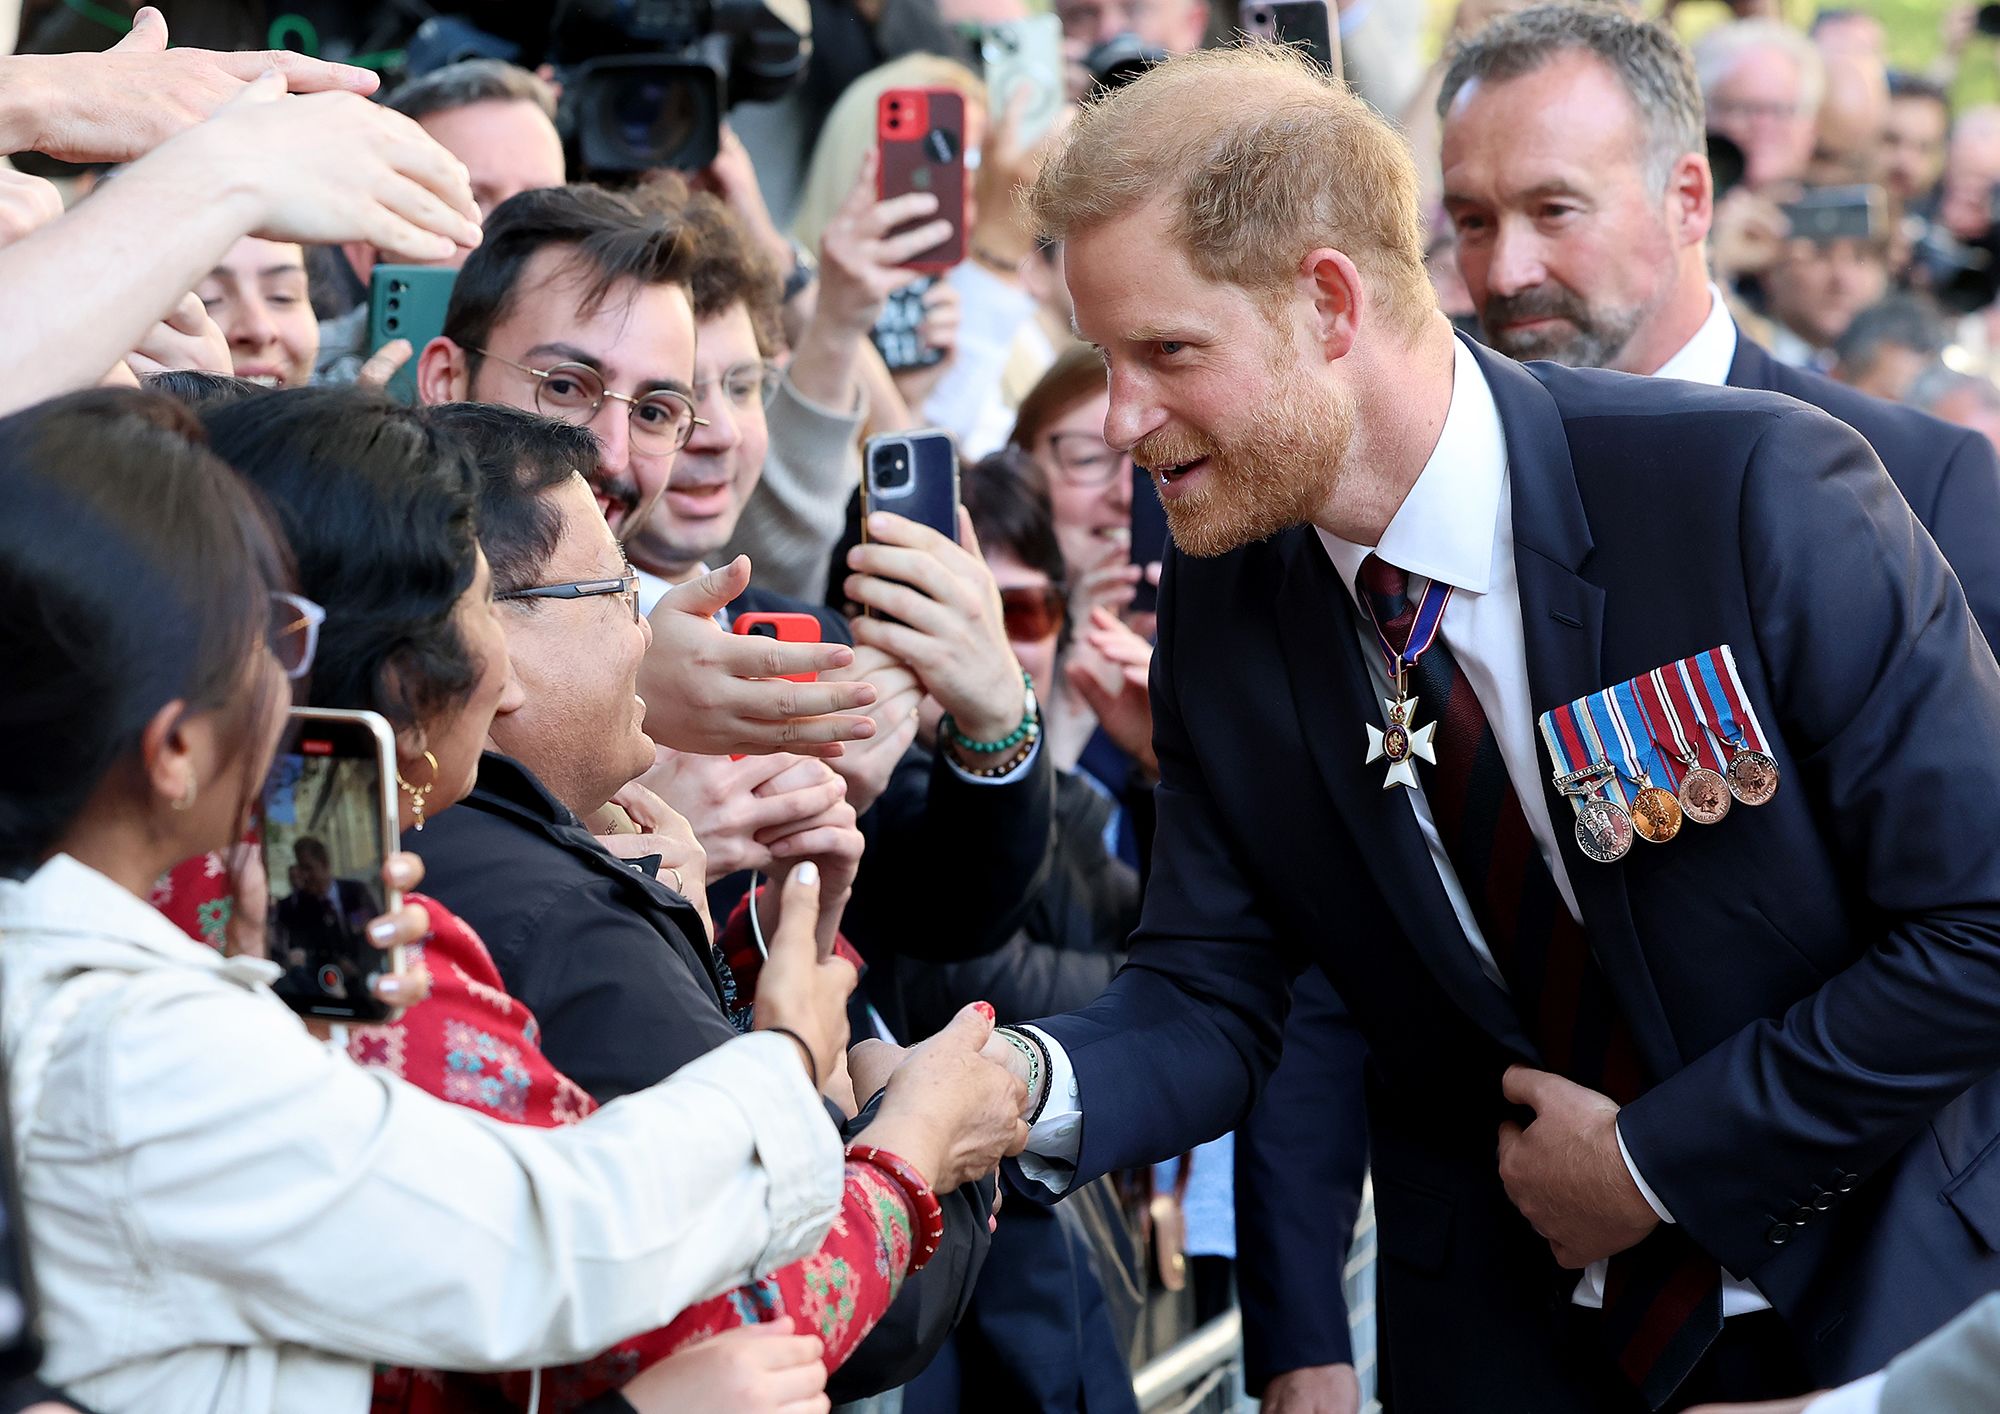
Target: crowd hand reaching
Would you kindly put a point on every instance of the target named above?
(760, 1369)
(1315, 1389)
(949, 1111)
(738, 808)
(327, 168)
(860, 263)
(1749, 234)
(120, 104)
(384, 364)
(800, 988)
(829, 837)
(246, 934)
(643, 826)
(26, 204)
(867, 766)
(717, 693)
(939, 332)
(1125, 711)
(1008, 165)
(943, 619)
(186, 338)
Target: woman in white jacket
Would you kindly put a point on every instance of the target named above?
(225, 1214)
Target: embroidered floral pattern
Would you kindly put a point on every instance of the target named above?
(484, 1072)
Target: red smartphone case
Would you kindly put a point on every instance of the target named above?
(786, 628)
(921, 135)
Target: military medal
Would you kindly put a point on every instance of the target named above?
(1603, 830)
(1401, 743)
(1603, 827)
(1712, 684)
(1703, 794)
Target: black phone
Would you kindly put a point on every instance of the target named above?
(1149, 537)
(328, 821)
(1827, 214)
(20, 1326)
(407, 302)
(898, 332)
(913, 475)
(1304, 23)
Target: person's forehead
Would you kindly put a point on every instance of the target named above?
(1129, 278)
(725, 339)
(1559, 122)
(1763, 69)
(585, 548)
(637, 332)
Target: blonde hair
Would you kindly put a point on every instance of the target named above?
(1263, 159)
(849, 132)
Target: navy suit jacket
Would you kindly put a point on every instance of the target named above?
(1288, 1221)
(1813, 983)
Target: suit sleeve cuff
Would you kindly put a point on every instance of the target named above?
(1055, 1139)
(1864, 1396)
(1645, 1189)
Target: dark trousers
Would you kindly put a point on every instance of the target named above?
(1754, 1358)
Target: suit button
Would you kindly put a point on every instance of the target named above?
(1802, 1216)
(1847, 1182)
(1823, 1200)
(1779, 1235)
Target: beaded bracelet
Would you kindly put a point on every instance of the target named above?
(1030, 1050)
(1009, 763)
(926, 1213)
(1046, 1067)
(1030, 719)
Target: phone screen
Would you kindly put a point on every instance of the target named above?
(898, 332)
(325, 833)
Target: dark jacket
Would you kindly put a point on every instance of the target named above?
(1811, 985)
(611, 963)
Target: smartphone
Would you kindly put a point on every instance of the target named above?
(921, 134)
(1024, 56)
(898, 332)
(913, 475)
(1149, 537)
(786, 628)
(1827, 214)
(20, 1326)
(1304, 23)
(407, 302)
(328, 822)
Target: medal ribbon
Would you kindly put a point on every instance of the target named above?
(1711, 683)
(1563, 733)
(1645, 750)
(1673, 750)
(1739, 700)
(1600, 726)
(1683, 707)
(1423, 630)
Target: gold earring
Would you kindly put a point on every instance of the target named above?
(418, 793)
(186, 802)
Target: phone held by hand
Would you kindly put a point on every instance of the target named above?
(921, 134)
(913, 475)
(898, 333)
(1024, 56)
(785, 627)
(407, 302)
(1301, 23)
(1149, 538)
(329, 822)
(1824, 215)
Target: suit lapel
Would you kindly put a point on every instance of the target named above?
(1562, 622)
(1750, 368)
(1335, 696)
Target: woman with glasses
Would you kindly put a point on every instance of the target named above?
(223, 1212)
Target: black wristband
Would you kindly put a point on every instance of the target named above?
(1048, 1069)
(812, 1061)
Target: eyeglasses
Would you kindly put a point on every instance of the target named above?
(1084, 461)
(626, 585)
(1031, 612)
(746, 385)
(662, 420)
(295, 622)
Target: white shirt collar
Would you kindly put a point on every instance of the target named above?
(1706, 358)
(1447, 527)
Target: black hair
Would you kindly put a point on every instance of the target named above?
(135, 571)
(612, 240)
(1907, 85)
(200, 390)
(519, 456)
(1007, 495)
(378, 505)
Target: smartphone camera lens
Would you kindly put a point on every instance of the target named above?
(892, 471)
(762, 631)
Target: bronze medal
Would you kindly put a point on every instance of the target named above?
(1656, 815)
(1753, 777)
(1603, 830)
(1704, 796)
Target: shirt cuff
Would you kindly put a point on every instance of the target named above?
(799, 1150)
(1021, 769)
(1864, 1396)
(1055, 1139)
(1645, 1189)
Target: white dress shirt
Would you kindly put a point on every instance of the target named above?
(1456, 524)
(226, 1214)
(1706, 357)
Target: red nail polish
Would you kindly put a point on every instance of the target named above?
(985, 1009)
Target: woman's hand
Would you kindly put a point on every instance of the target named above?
(762, 1369)
(939, 331)
(1125, 711)
(246, 935)
(659, 830)
(949, 1111)
(799, 989)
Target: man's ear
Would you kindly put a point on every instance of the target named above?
(444, 373)
(1690, 198)
(1334, 286)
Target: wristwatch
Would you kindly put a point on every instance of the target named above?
(805, 269)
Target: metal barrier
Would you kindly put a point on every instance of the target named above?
(1215, 1349)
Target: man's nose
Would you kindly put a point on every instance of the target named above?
(1515, 263)
(723, 432)
(1133, 413)
(613, 430)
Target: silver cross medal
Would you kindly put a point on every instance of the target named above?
(1401, 745)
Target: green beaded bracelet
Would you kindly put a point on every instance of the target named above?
(1006, 743)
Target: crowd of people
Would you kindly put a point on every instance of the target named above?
(744, 996)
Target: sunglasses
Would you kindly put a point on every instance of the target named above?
(1033, 611)
(295, 625)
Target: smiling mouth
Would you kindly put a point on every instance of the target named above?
(1172, 472)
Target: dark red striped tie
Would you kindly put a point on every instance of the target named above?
(1662, 1299)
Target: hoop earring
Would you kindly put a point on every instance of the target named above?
(418, 794)
(186, 802)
